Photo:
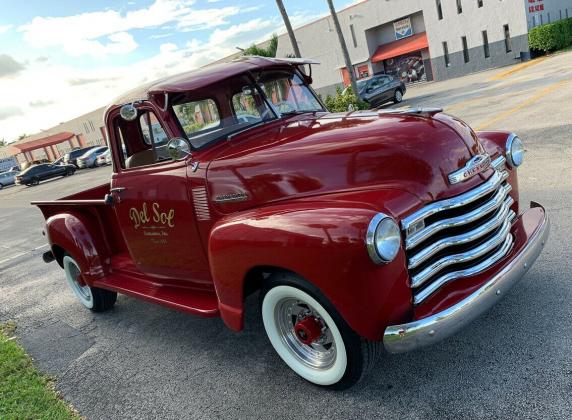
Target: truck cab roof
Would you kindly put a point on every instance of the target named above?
(204, 76)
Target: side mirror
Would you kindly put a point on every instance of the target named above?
(128, 112)
(178, 148)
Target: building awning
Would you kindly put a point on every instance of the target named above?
(403, 46)
(44, 142)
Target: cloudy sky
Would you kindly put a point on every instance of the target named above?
(62, 58)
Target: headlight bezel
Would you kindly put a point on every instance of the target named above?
(509, 152)
(371, 239)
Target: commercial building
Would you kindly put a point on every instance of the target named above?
(50, 144)
(422, 40)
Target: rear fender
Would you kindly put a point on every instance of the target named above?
(77, 234)
(321, 242)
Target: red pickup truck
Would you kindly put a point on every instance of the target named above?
(363, 232)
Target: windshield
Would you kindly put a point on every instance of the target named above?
(288, 93)
(361, 84)
(238, 104)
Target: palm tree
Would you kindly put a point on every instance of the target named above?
(345, 52)
(269, 51)
(289, 28)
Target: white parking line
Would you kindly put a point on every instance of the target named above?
(23, 253)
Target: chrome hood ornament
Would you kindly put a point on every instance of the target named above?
(474, 166)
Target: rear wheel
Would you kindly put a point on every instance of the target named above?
(311, 337)
(397, 96)
(69, 172)
(35, 181)
(93, 298)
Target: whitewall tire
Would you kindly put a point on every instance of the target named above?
(73, 276)
(320, 363)
(93, 298)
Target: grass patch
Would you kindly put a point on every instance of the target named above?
(24, 392)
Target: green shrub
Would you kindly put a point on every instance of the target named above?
(551, 37)
(344, 101)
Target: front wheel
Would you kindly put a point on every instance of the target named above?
(397, 96)
(35, 181)
(311, 337)
(93, 298)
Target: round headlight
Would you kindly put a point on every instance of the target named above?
(514, 151)
(383, 239)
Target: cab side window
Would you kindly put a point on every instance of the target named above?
(142, 142)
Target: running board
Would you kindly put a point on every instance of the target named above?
(193, 301)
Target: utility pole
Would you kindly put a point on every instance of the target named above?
(289, 28)
(345, 52)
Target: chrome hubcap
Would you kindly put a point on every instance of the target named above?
(79, 287)
(398, 96)
(319, 353)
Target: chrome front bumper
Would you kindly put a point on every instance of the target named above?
(426, 331)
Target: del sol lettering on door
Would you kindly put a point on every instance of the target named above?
(141, 217)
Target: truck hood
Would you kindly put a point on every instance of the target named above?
(312, 155)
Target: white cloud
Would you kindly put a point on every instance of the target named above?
(5, 28)
(205, 18)
(106, 32)
(237, 32)
(67, 91)
(117, 43)
(168, 47)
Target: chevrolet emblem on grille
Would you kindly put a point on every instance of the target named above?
(474, 166)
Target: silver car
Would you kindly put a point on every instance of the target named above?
(89, 158)
(7, 178)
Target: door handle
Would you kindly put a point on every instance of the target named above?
(117, 190)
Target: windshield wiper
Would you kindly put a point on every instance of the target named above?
(300, 112)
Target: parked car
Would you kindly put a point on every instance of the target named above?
(70, 158)
(29, 164)
(89, 158)
(361, 232)
(7, 178)
(59, 161)
(381, 88)
(104, 158)
(37, 173)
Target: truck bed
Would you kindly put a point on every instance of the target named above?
(92, 202)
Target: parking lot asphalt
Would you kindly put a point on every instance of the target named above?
(145, 361)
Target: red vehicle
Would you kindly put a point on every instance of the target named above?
(364, 232)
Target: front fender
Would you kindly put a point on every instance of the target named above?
(76, 234)
(323, 243)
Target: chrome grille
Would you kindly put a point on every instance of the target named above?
(459, 236)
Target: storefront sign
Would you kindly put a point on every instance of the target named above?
(535, 6)
(403, 28)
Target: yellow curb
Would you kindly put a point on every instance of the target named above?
(516, 69)
(540, 94)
